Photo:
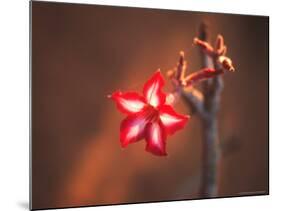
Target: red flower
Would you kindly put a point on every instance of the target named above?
(148, 117)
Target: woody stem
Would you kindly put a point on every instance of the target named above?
(210, 144)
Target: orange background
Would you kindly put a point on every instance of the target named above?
(82, 53)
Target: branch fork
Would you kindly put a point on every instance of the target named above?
(206, 102)
(184, 84)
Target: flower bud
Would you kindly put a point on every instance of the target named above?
(226, 63)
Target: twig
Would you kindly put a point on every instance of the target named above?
(206, 103)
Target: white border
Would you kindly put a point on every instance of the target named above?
(14, 103)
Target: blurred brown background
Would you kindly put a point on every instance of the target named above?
(82, 53)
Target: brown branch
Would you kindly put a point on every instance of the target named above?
(212, 90)
(201, 75)
(220, 60)
(181, 67)
(205, 104)
(194, 99)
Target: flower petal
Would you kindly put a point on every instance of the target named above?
(171, 120)
(133, 128)
(128, 102)
(152, 90)
(156, 139)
